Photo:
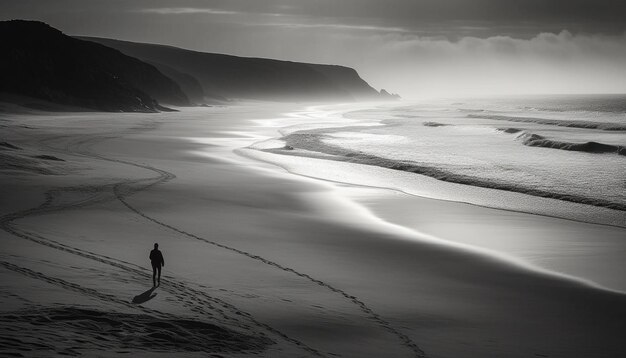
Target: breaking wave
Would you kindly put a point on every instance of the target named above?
(554, 122)
(535, 140)
(312, 143)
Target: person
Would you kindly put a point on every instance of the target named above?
(156, 258)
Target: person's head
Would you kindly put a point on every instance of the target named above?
(156, 246)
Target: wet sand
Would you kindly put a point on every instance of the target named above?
(262, 262)
(592, 252)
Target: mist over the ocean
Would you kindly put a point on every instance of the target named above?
(559, 62)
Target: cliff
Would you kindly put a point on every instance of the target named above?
(41, 62)
(225, 76)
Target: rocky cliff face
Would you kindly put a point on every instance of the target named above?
(224, 76)
(41, 62)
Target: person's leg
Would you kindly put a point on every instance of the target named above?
(159, 269)
(154, 270)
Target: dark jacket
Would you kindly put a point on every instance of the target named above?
(156, 257)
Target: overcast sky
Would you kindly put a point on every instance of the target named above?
(414, 47)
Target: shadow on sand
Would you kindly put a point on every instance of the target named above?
(145, 297)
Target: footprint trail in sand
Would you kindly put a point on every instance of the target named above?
(197, 300)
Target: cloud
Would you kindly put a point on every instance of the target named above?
(547, 63)
(187, 10)
(559, 46)
(334, 26)
(418, 66)
(196, 11)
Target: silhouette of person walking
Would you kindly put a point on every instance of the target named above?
(156, 258)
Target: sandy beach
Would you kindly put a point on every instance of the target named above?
(259, 261)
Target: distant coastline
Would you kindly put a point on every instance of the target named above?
(112, 76)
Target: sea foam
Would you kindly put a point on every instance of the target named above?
(570, 156)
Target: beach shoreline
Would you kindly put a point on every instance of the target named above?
(545, 241)
(399, 175)
(258, 252)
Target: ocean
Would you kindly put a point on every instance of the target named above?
(561, 156)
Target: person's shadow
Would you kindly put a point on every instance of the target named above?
(145, 297)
